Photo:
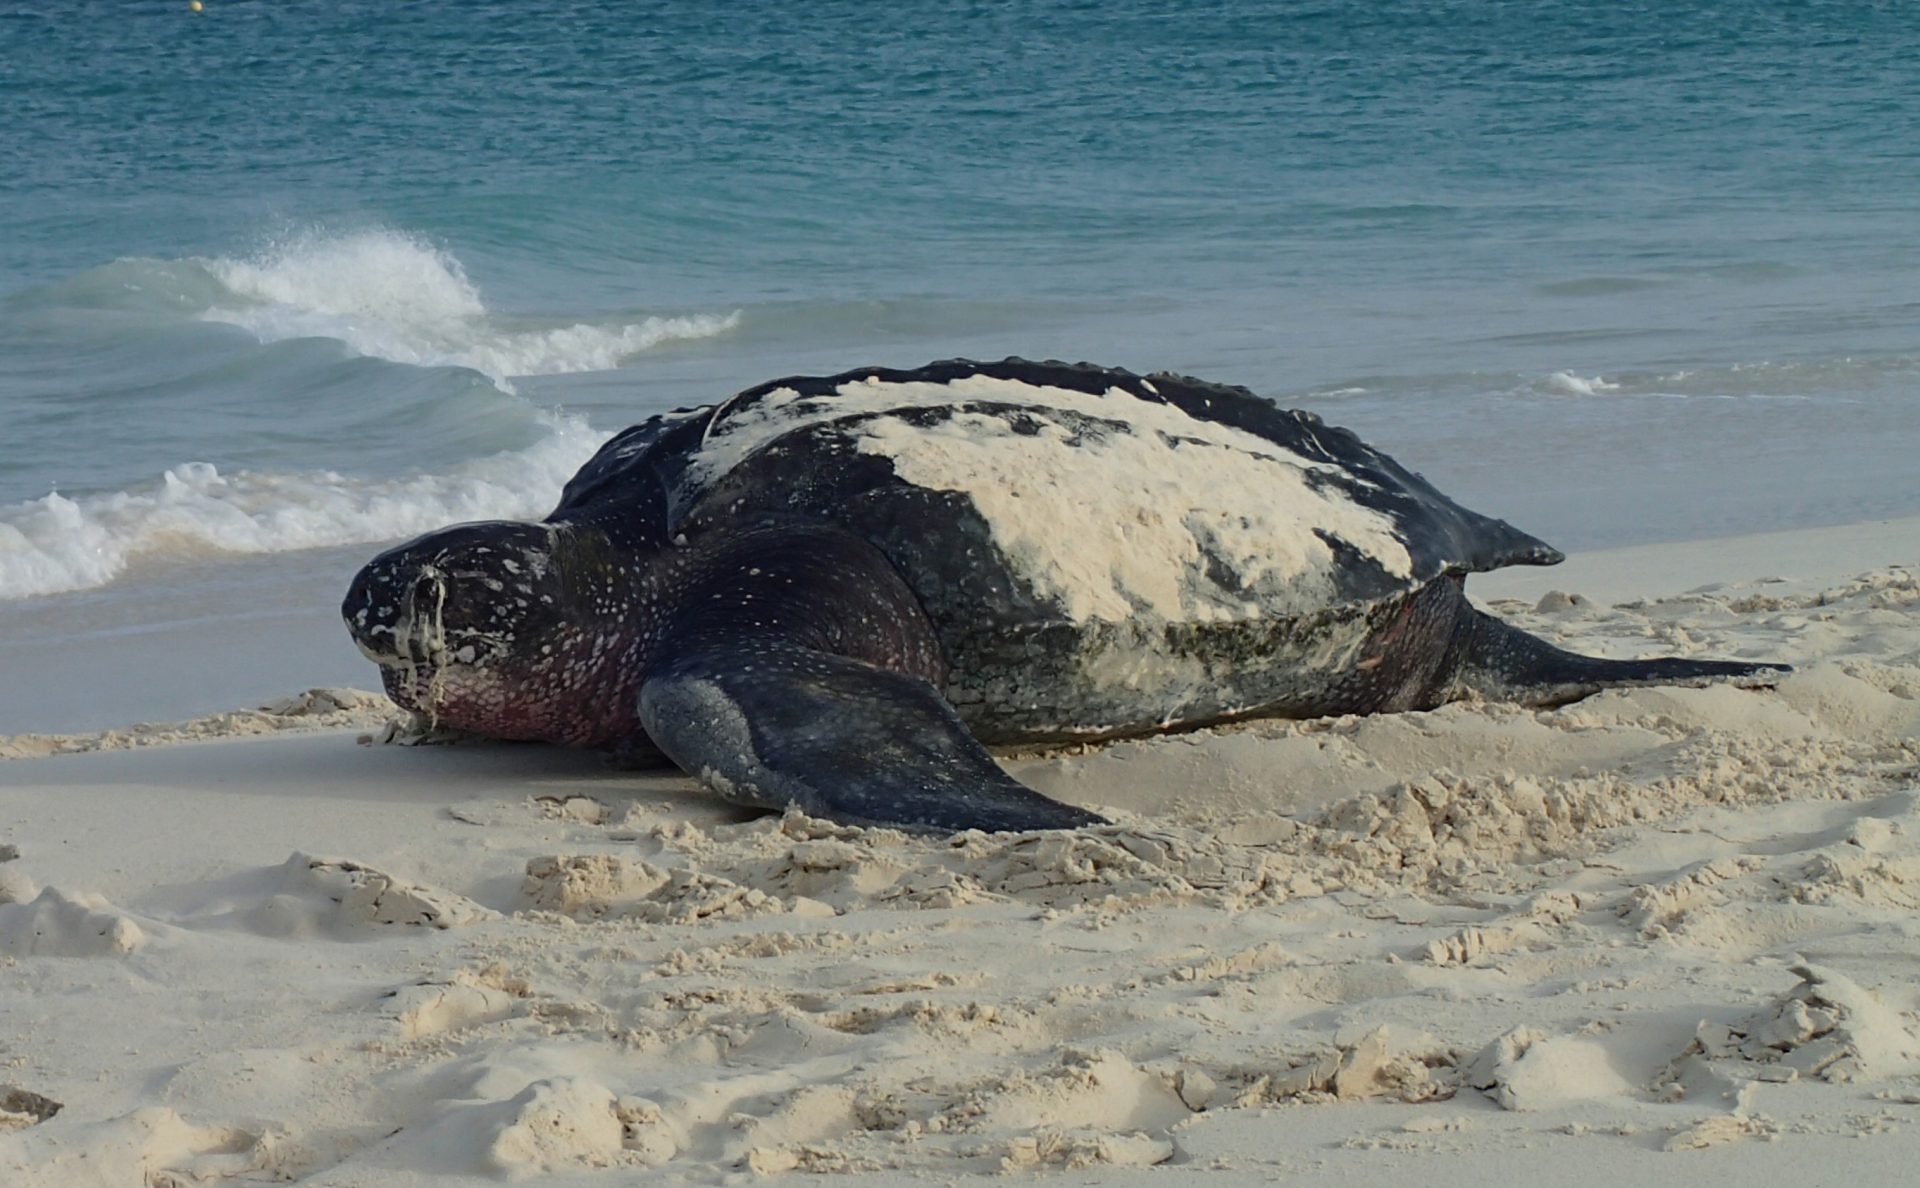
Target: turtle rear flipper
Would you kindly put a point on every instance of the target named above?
(1502, 662)
(776, 724)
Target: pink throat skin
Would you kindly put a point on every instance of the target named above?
(574, 697)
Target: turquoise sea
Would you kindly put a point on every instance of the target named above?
(284, 278)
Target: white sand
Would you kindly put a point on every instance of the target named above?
(1660, 936)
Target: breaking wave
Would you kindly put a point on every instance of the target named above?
(395, 296)
(56, 544)
(389, 297)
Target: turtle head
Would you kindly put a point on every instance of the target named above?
(500, 628)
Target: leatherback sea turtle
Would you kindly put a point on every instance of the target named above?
(830, 591)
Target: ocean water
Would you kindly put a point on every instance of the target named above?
(282, 281)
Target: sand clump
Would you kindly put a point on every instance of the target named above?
(57, 923)
(315, 709)
(1827, 1026)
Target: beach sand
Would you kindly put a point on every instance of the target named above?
(1661, 935)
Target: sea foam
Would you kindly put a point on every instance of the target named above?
(382, 293)
(393, 295)
(55, 544)
(1566, 383)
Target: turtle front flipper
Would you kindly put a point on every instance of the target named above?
(796, 668)
(776, 724)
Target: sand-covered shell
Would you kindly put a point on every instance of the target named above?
(1066, 492)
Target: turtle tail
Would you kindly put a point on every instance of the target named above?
(1499, 661)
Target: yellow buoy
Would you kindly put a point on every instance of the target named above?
(194, 4)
